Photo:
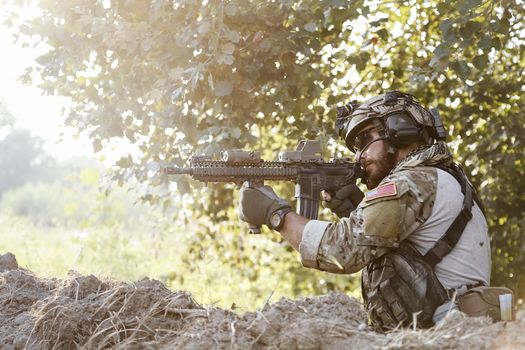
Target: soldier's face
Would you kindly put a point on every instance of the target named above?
(375, 159)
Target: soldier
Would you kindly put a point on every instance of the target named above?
(418, 234)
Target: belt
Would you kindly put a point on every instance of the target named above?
(456, 292)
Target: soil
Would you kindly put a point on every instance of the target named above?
(90, 313)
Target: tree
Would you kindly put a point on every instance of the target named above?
(178, 77)
(6, 117)
(22, 160)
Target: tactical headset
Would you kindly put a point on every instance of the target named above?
(401, 130)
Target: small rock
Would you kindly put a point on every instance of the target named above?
(21, 319)
(8, 262)
(20, 342)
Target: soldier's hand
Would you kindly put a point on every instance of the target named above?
(256, 205)
(344, 201)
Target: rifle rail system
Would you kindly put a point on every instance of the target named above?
(304, 166)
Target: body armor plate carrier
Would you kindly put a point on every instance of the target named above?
(398, 285)
(402, 283)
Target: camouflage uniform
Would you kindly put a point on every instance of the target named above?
(418, 235)
(416, 202)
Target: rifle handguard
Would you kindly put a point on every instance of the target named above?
(304, 166)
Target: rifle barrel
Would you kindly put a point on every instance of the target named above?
(171, 170)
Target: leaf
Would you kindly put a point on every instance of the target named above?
(233, 36)
(230, 10)
(480, 62)
(383, 34)
(364, 58)
(235, 133)
(461, 68)
(441, 52)
(44, 60)
(445, 25)
(443, 7)
(310, 27)
(176, 73)
(470, 5)
(223, 88)
(228, 48)
(97, 145)
(485, 42)
(204, 28)
(124, 162)
(378, 22)
(339, 3)
(176, 94)
(225, 59)
(438, 63)
(474, 3)
(496, 43)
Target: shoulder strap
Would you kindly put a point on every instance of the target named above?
(449, 240)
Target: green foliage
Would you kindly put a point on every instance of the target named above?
(260, 264)
(180, 77)
(75, 200)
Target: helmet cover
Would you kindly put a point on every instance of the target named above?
(379, 107)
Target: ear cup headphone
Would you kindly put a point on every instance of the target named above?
(402, 130)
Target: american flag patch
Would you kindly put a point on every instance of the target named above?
(386, 190)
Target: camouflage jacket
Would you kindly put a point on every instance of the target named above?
(416, 201)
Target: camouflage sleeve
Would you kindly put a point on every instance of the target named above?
(386, 216)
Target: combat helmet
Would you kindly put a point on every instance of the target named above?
(397, 116)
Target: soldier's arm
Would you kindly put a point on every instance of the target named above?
(293, 228)
(385, 217)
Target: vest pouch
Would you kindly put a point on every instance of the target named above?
(485, 301)
(399, 285)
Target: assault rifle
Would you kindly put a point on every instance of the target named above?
(304, 166)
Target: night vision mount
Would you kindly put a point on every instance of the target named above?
(343, 115)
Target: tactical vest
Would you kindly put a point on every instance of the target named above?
(400, 287)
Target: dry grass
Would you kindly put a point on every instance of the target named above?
(83, 312)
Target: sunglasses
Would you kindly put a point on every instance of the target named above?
(364, 138)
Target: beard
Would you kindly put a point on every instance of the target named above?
(377, 168)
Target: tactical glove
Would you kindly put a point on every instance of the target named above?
(256, 205)
(344, 201)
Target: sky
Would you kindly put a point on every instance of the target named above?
(32, 109)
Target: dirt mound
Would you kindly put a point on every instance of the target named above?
(86, 312)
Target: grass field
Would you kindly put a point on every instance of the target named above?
(158, 253)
